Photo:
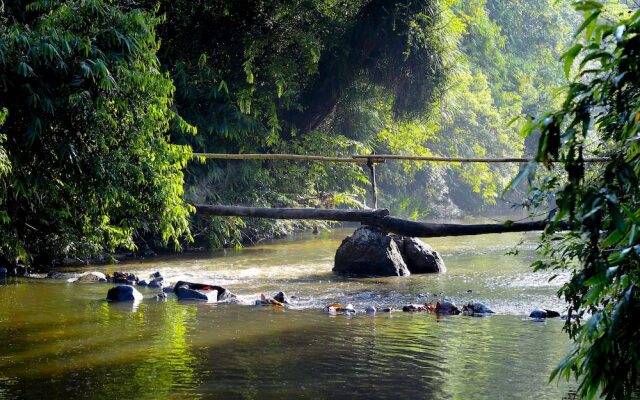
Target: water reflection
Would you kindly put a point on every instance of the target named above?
(62, 340)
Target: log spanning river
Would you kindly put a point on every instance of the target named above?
(63, 340)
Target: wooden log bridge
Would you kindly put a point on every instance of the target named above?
(377, 218)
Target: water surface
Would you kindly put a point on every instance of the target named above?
(62, 340)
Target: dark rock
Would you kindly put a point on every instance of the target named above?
(157, 275)
(538, 314)
(22, 270)
(419, 257)
(124, 293)
(476, 309)
(157, 283)
(552, 314)
(369, 252)
(168, 290)
(3, 271)
(125, 278)
(184, 293)
(223, 294)
(282, 298)
(143, 282)
(413, 308)
(446, 307)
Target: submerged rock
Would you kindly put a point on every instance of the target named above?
(67, 276)
(339, 308)
(541, 314)
(369, 252)
(476, 309)
(268, 301)
(447, 308)
(184, 293)
(419, 257)
(371, 310)
(414, 308)
(124, 293)
(552, 314)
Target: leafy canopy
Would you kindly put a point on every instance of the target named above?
(86, 161)
(600, 115)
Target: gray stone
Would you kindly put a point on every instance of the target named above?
(92, 277)
(369, 252)
(476, 309)
(124, 293)
(419, 256)
(184, 293)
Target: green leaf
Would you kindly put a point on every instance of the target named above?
(569, 56)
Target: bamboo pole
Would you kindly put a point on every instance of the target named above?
(374, 193)
(375, 158)
(292, 157)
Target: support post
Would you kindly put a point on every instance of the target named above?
(374, 195)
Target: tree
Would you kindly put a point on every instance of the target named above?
(86, 113)
(600, 115)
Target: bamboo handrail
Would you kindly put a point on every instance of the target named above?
(375, 158)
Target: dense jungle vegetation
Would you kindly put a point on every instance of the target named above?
(102, 104)
(102, 101)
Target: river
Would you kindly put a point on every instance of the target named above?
(63, 340)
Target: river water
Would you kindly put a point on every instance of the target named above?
(63, 340)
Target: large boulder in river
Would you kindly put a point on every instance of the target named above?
(124, 293)
(419, 256)
(369, 251)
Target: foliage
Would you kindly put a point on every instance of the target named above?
(600, 115)
(294, 76)
(505, 66)
(86, 113)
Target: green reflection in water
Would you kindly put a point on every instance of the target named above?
(63, 340)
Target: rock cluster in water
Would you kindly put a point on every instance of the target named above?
(372, 252)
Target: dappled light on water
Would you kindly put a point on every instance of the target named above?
(63, 340)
